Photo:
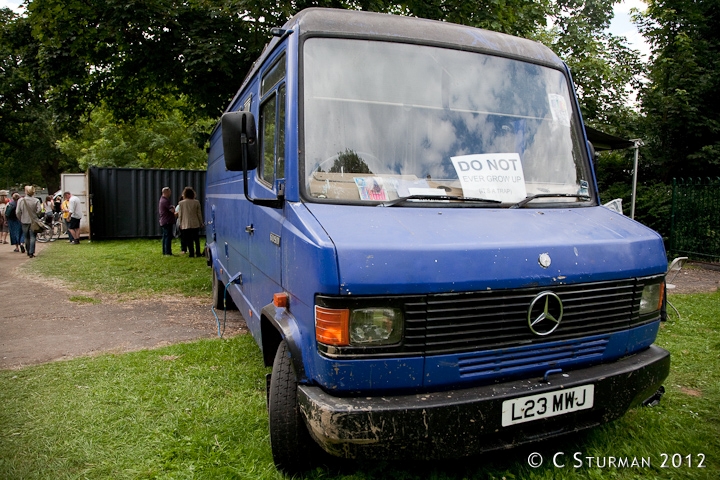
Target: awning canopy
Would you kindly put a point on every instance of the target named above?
(604, 141)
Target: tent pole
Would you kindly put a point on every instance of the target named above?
(638, 143)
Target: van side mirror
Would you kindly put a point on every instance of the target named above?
(239, 138)
(240, 148)
(593, 153)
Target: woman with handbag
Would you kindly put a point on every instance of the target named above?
(190, 220)
(28, 209)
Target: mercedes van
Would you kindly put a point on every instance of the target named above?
(406, 214)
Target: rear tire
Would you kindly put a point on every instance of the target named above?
(293, 449)
(57, 230)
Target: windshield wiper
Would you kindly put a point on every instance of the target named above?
(401, 200)
(529, 199)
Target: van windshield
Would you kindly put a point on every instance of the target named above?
(384, 121)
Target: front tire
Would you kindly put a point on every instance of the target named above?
(44, 236)
(293, 450)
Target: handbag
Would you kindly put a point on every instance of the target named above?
(37, 226)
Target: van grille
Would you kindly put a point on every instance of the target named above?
(498, 319)
(456, 323)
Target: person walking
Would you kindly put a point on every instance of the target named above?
(4, 228)
(75, 211)
(65, 209)
(29, 208)
(48, 210)
(166, 212)
(190, 218)
(14, 225)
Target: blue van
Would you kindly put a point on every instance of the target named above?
(406, 214)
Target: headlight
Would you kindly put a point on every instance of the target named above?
(652, 298)
(359, 326)
(376, 326)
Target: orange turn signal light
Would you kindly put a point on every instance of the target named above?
(280, 300)
(332, 326)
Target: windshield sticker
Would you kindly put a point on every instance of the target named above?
(405, 187)
(559, 109)
(371, 188)
(494, 176)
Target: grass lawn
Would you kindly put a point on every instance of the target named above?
(128, 268)
(197, 410)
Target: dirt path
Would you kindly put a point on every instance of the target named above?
(696, 278)
(39, 324)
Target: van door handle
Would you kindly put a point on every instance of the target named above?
(250, 229)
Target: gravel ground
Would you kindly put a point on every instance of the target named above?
(38, 322)
(696, 278)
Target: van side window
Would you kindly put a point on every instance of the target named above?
(272, 124)
(248, 103)
(273, 76)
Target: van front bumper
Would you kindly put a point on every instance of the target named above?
(468, 421)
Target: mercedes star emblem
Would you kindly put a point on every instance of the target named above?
(544, 260)
(545, 313)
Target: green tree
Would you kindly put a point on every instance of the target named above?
(680, 100)
(605, 69)
(130, 55)
(30, 127)
(515, 17)
(166, 140)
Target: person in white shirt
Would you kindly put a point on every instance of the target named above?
(75, 216)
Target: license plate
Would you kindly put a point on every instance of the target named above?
(544, 405)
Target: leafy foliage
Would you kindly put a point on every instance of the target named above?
(132, 54)
(680, 101)
(168, 140)
(515, 17)
(653, 204)
(28, 153)
(604, 68)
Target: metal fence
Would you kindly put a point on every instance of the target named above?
(125, 200)
(695, 218)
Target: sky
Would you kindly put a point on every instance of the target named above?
(621, 25)
(12, 4)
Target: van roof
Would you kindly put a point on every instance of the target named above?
(353, 23)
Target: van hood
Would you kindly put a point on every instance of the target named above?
(404, 250)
